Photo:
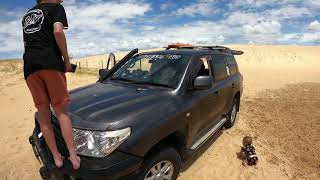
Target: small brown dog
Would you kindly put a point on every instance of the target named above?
(248, 153)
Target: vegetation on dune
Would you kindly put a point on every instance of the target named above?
(16, 66)
(87, 71)
(11, 66)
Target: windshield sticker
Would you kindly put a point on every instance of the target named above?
(164, 56)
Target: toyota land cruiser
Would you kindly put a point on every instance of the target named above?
(147, 114)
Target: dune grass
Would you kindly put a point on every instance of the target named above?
(11, 66)
(87, 71)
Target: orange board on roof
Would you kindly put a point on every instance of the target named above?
(176, 45)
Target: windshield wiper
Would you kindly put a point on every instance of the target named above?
(153, 84)
(140, 82)
(121, 79)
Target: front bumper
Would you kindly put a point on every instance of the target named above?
(113, 166)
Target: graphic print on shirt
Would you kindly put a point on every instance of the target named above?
(32, 21)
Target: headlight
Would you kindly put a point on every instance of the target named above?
(99, 143)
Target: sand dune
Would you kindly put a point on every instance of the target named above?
(278, 54)
(254, 54)
(283, 119)
(100, 61)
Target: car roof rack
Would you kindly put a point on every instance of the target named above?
(177, 45)
(217, 48)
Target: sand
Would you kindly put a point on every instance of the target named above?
(280, 109)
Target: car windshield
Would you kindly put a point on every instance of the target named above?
(153, 69)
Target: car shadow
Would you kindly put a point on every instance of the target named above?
(190, 160)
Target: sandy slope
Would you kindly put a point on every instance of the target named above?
(284, 120)
(285, 125)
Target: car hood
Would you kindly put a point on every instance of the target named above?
(102, 106)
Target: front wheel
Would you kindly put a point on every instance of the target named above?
(232, 115)
(161, 165)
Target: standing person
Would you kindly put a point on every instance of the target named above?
(44, 71)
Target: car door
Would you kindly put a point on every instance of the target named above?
(222, 84)
(206, 104)
(233, 81)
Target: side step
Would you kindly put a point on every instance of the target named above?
(208, 134)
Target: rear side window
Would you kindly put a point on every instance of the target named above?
(204, 70)
(232, 65)
(219, 66)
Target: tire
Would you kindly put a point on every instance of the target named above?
(165, 157)
(232, 115)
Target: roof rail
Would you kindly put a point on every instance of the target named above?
(221, 48)
(235, 52)
(204, 47)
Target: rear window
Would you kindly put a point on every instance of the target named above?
(219, 66)
(232, 65)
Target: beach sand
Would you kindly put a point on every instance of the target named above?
(280, 109)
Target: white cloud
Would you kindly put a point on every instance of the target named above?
(312, 4)
(93, 26)
(147, 28)
(203, 8)
(310, 37)
(11, 36)
(239, 18)
(102, 27)
(250, 4)
(197, 33)
(98, 26)
(263, 32)
(202, 32)
(165, 6)
(289, 12)
(272, 27)
(102, 16)
(301, 38)
(314, 26)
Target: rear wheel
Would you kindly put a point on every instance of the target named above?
(232, 115)
(161, 165)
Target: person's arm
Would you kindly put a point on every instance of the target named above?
(62, 43)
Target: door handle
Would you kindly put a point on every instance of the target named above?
(217, 92)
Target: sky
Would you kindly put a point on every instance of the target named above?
(100, 26)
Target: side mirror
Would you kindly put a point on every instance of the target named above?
(103, 73)
(202, 82)
(112, 58)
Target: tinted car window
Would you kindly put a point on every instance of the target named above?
(156, 69)
(219, 67)
(232, 65)
(204, 70)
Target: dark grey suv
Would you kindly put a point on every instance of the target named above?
(148, 114)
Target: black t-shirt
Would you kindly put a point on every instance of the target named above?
(41, 49)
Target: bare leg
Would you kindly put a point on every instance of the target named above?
(67, 133)
(242, 155)
(244, 162)
(47, 131)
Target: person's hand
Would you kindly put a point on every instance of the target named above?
(67, 66)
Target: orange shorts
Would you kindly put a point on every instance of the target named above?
(48, 87)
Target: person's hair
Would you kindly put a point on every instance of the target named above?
(247, 140)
